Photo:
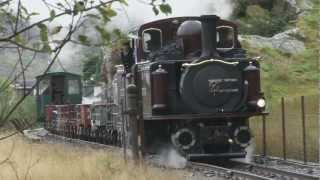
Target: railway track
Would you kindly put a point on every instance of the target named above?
(271, 172)
(308, 168)
(234, 169)
(246, 171)
(214, 171)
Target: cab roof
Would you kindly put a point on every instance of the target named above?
(50, 74)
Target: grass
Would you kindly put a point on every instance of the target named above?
(286, 75)
(33, 161)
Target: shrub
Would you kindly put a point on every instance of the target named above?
(8, 98)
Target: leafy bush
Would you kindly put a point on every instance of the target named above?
(264, 18)
(260, 21)
(91, 67)
(8, 98)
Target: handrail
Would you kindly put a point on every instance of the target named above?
(208, 61)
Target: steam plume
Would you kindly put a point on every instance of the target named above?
(169, 157)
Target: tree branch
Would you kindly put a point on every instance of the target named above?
(8, 38)
(22, 70)
(18, 16)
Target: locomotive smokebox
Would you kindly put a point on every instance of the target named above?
(208, 36)
(160, 90)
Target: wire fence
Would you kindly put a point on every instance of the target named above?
(290, 131)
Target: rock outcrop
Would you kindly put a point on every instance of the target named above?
(286, 41)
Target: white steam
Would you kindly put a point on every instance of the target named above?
(131, 16)
(138, 13)
(171, 158)
(250, 152)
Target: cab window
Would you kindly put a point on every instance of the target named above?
(73, 87)
(44, 87)
(225, 37)
(152, 40)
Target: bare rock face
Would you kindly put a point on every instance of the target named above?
(286, 41)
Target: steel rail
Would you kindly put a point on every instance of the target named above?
(272, 172)
(288, 162)
(214, 170)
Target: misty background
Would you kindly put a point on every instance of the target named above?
(128, 18)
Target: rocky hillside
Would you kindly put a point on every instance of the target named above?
(285, 34)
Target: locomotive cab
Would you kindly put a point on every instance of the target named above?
(57, 88)
(189, 50)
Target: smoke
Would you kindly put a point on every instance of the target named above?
(250, 152)
(130, 17)
(169, 157)
(138, 13)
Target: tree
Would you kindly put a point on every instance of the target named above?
(18, 33)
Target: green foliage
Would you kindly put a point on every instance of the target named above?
(79, 6)
(240, 8)
(56, 30)
(91, 67)
(105, 35)
(83, 39)
(162, 7)
(264, 18)
(107, 13)
(309, 24)
(93, 16)
(8, 97)
(20, 39)
(43, 32)
(165, 8)
(27, 110)
(52, 15)
(260, 21)
(155, 10)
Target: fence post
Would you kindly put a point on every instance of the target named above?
(303, 130)
(264, 137)
(132, 95)
(284, 143)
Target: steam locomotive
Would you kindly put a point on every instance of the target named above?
(185, 82)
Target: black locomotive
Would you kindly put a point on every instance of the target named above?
(196, 87)
(194, 90)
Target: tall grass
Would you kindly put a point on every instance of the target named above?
(66, 162)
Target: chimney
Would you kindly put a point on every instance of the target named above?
(209, 37)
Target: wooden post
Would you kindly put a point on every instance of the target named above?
(124, 120)
(264, 136)
(124, 139)
(303, 130)
(132, 99)
(284, 140)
